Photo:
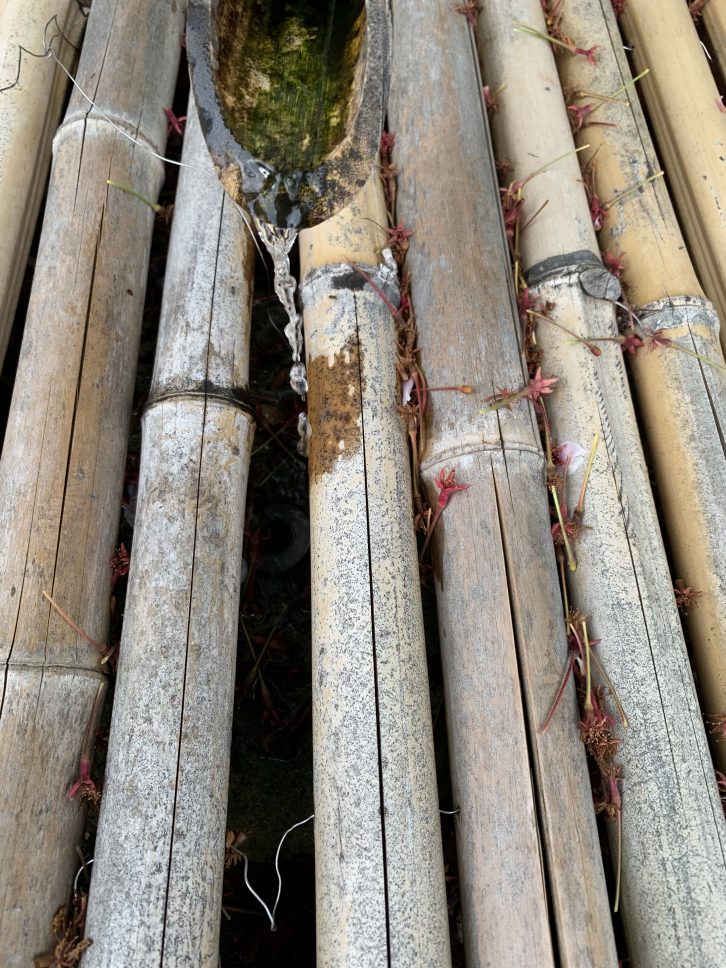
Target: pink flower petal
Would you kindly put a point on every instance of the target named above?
(406, 391)
(569, 451)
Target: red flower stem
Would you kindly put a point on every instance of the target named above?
(86, 745)
(580, 508)
(533, 32)
(464, 388)
(76, 628)
(596, 351)
(611, 687)
(533, 217)
(571, 561)
(396, 313)
(672, 345)
(588, 675)
(569, 665)
(430, 531)
(698, 356)
(563, 583)
(415, 470)
(548, 440)
(129, 191)
(618, 858)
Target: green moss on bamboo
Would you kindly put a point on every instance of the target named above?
(285, 73)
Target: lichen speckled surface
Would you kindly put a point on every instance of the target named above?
(681, 400)
(379, 867)
(61, 473)
(156, 889)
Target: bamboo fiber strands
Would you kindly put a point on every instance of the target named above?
(500, 615)
(682, 401)
(690, 129)
(30, 113)
(61, 473)
(379, 870)
(673, 827)
(156, 891)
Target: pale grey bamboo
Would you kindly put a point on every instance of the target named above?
(156, 890)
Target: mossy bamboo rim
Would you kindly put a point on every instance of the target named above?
(293, 199)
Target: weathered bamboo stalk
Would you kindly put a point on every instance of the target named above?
(379, 869)
(714, 20)
(690, 129)
(61, 473)
(156, 891)
(668, 792)
(30, 112)
(682, 401)
(503, 640)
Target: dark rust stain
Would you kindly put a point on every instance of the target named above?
(334, 408)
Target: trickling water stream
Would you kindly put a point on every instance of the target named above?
(278, 243)
(291, 97)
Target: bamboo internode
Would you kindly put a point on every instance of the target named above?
(669, 796)
(681, 399)
(61, 473)
(690, 129)
(379, 869)
(157, 878)
(503, 640)
(30, 114)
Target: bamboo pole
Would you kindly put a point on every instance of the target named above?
(379, 869)
(156, 892)
(503, 640)
(690, 129)
(681, 400)
(61, 472)
(31, 111)
(714, 20)
(668, 793)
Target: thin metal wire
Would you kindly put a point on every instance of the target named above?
(49, 52)
(253, 892)
(80, 871)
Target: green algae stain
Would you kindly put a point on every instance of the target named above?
(285, 76)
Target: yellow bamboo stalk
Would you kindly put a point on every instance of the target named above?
(30, 115)
(521, 792)
(690, 129)
(61, 473)
(714, 19)
(668, 796)
(680, 398)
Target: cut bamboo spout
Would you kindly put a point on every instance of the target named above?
(291, 98)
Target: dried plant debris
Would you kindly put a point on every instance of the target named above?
(67, 928)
